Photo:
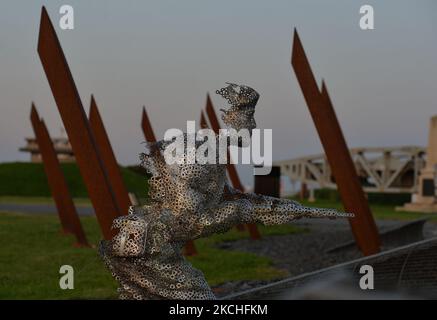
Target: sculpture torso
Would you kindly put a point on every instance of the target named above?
(187, 191)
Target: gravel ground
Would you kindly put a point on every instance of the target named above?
(305, 252)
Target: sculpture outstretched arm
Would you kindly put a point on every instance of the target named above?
(269, 210)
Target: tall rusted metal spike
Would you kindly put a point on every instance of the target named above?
(328, 128)
(213, 119)
(50, 169)
(76, 124)
(68, 216)
(232, 171)
(147, 127)
(190, 247)
(108, 158)
(212, 116)
(203, 123)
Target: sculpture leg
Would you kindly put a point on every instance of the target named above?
(157, 276)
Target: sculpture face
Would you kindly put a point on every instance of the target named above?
(242, 100)
(240, 119)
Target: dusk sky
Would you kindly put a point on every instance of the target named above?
(167, 55)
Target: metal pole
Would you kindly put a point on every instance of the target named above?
(328, 128)
(303, 191)
(108, 158)
(76, 124)
(203, 123)
(147, 127)
(233, 174)
(269, 185)
(67, 213)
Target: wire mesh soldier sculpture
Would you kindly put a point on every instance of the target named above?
(189, 201)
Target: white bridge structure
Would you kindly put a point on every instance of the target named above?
(385, 170)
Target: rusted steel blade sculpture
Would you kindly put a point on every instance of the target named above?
(328, 128)
(68, 216)
(212, 116)
(203, 123)
(270, 184)
(303, 194)
(233, 174)
(108, 158)
(149, 134)
(76, 124)
(190, 249)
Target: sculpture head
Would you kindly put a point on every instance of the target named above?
(242, 100)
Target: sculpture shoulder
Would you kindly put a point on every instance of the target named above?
(182, 184)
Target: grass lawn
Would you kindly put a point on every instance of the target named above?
(32, 251)
(41, 200)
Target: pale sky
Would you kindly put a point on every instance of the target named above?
(168, 54)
